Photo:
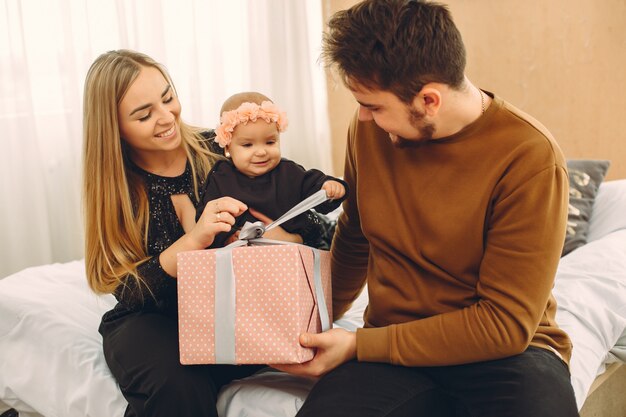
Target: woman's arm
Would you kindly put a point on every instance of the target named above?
(218, 216)
(157, 274)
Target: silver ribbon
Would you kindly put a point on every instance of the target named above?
(225, 280)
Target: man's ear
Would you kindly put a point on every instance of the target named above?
(428, 100)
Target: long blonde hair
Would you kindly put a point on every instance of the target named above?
(115, 203)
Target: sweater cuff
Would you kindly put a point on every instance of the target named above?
(372, 344)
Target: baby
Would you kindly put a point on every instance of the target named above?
(254, 173)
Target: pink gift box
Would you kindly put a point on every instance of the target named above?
(275, 301)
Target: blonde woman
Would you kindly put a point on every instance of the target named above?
(143, 167)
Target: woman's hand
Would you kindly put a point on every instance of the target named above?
(277, 233)
(218, 216)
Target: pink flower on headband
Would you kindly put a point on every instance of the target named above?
(248, 112)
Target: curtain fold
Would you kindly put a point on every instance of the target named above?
(212, 49)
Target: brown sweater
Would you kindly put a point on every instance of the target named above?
(458, 240)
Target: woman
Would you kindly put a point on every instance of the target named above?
(143, 167)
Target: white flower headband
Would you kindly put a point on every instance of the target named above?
(248, 112)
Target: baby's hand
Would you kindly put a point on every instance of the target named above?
(334, 189)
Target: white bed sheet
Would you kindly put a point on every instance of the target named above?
(50, 349)
(51, 360)
(590, 290)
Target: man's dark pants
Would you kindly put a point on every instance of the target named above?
(535, 383)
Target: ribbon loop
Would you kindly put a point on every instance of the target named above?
(251, 231)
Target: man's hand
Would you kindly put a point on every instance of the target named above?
(334, 347)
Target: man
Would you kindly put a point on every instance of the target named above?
(456, 225)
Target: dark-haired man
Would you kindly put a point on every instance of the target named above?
(456, 224)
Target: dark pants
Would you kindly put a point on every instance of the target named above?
(535, 383)
(141, 350)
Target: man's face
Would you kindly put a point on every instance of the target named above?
(404, 123)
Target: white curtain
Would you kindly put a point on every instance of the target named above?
(212, 49)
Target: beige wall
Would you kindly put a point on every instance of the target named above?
(563, 61)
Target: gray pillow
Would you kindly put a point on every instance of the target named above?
(585, 176)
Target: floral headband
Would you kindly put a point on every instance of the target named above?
(248, 112)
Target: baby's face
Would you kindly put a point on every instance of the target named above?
(255, 148)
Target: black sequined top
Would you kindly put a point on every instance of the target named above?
(163, 230)
(159, 292)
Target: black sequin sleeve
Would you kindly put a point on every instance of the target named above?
(155, 291)
(313, 232)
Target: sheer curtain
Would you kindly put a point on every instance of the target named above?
(212, 49)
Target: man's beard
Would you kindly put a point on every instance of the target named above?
(426, 131)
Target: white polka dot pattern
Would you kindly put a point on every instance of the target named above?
(275, 302)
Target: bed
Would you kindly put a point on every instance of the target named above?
(51, 361)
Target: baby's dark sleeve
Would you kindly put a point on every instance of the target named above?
(313, 181)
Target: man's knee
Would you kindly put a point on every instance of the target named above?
(376, 389)
(545, 386)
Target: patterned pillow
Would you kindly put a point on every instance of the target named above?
(585, 176)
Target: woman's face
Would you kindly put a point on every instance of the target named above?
(149, 115)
